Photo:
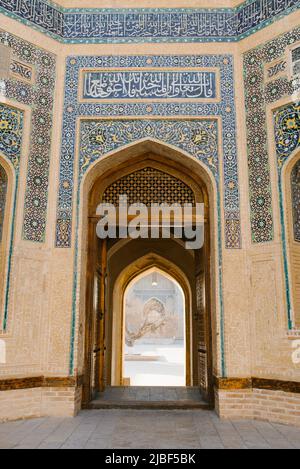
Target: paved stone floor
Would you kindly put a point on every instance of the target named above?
(131, 429)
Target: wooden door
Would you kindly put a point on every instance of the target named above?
(101, 345)
(94, 365)
(204, 338)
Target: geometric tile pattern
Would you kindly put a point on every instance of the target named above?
(160, 111)
(145, 25)
(39, 96)
(11, 131)
(295, 184)
(258, 95)
(3, 192)
(147, 186)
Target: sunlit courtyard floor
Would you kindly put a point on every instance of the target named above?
(132, 429)
(167, 368)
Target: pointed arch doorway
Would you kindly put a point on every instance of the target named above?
(156, 176)
(154, 331)
(160, 319)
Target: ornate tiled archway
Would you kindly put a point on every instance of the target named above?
(199, 126)
(11, 134)
(287, 138)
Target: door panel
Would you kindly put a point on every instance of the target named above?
(95, 316)
(204, 321)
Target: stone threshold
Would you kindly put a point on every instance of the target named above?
(153, 397)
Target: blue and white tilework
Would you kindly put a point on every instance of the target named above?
(148, 25)
(39, 96)
(224, 109)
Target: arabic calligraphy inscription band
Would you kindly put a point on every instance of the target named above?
(149, 85)
(148, 25)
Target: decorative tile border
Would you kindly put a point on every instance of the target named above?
(39, 96)
(148, 25)
(287, 137)
(259, 93)
(3, 194)
(11, 133)
(225, 109)
(295, 185)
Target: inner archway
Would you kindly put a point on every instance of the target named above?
(154, 331)
(6, 218)
(291, 179)
(113, 264)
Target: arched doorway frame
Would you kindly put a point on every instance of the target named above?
(201, 174)
(7, 233)
(131, 274)
(286, 218)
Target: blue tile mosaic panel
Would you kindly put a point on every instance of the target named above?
(225, 109)
(148, 25)
(259, 93)
(39, 95)
(149, 85)
(38, 13)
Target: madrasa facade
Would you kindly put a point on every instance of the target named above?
(165, 102)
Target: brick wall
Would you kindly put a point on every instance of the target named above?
(39, 402)
(273, 406)
(58, 402)
(21, 403)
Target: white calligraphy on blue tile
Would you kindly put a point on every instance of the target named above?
(149, 85)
